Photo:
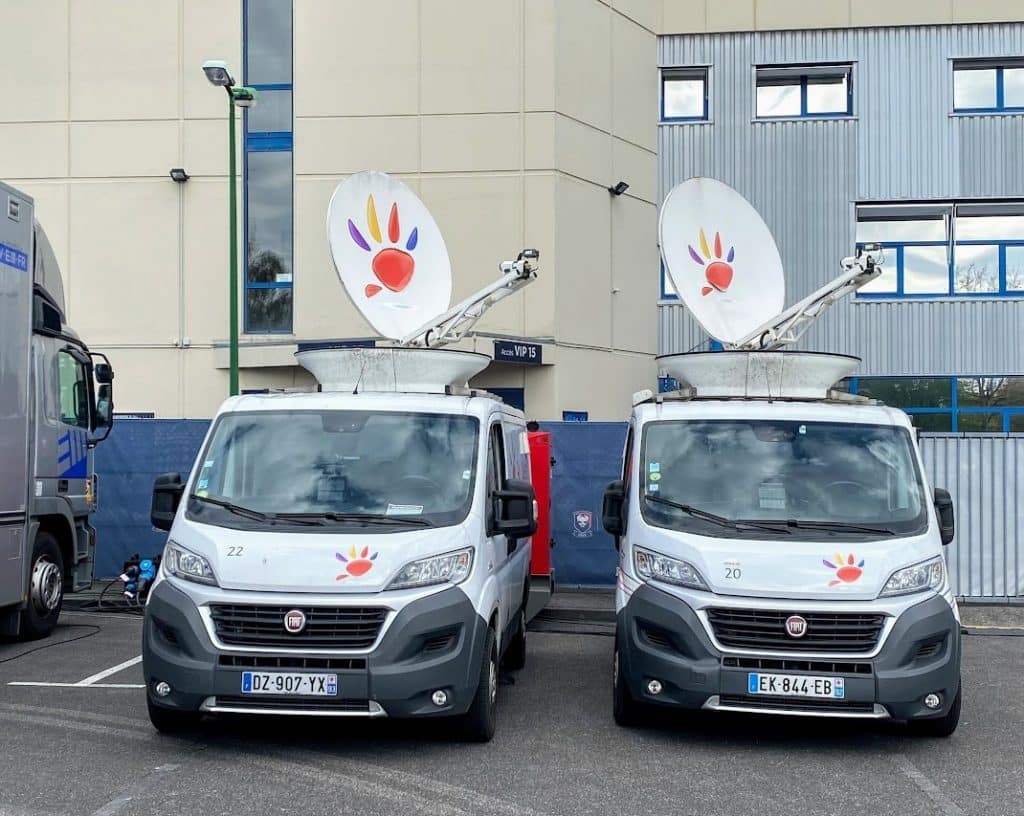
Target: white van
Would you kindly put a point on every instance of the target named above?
(780, 551)
(345, 555)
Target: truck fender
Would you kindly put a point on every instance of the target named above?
(487, 604)
(53, 514)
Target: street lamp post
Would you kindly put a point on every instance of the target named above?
(218, 74)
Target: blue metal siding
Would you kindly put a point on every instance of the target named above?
(904, 143)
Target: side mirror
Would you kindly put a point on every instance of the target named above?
(167, 491)
(104, 407)
(515, 510)
(103, 373)
(613, 515)
(947, 519)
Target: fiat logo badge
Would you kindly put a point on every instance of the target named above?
(796, 626)
(294, 621)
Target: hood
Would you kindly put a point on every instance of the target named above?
(278, 561)
(826, 568)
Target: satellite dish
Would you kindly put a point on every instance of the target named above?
(389, 253)
(721, 258)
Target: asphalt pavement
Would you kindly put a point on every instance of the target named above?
(82, 744)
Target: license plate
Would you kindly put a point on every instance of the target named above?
(796, 685)
(307, 685)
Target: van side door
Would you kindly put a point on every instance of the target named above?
(496, 475)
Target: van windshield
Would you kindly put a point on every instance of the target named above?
(335, 470)
(760, 478)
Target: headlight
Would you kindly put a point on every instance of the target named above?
(926, 575)
(653, 566)
(450, 568)
(181, 563)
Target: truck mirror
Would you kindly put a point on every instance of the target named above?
(613, 516)
(103, 373)
(104, 407)
(515, 513)
(944, 509)
(167, 491)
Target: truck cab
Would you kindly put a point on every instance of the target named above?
(781, 555)
(344, 555)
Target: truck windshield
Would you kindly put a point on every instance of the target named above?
(804, 479)
(336, 470)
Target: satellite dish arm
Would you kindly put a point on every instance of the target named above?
(452, 326)
(793, 323)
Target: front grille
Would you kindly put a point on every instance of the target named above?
(789, 664)
(766, 629)
(286, 704)
(279, 662)
(335, 627)
(796, 704)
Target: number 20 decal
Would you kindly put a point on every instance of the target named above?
(733, 573)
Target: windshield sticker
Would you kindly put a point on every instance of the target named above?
(208, 463)
(846, 570)
(358, 562)
(655, 477)
(467, 475)
(772, 496)
(802, 430)
(655, 467)
(652, 487)
(203, 484)
(404, 509)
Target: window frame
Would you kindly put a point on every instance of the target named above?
(802, 73)
(266, 142)
(895, 250)
(999, 65)
(954, 410)
(667, 74)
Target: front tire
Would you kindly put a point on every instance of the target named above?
(46, 588)
(478, 723)
(171, 720)
(940, 727)
(627, 712)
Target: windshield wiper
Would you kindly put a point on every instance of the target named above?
(837, 526)
(704, 515)
(367, 518)
(248, 512)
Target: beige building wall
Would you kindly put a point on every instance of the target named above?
(510, 118)
(694, 16)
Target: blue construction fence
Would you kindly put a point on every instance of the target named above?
(586, 456)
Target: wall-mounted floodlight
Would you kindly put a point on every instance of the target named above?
(179, 175)
(217, 72)
(618, 189)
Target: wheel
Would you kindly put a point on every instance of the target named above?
(171, 720)
(515, 655)
(46, 588)
(478, 723)
(626, 711)
(940, 726)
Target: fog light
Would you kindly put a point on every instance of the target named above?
(162, 689)
(439, 697)
(932, 701)
(654, 687)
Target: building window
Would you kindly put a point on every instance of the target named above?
(946, 250)
(268, 174)
(668, 289)
(804, 91)
(951, 404)
(684, 95)
(988, 86)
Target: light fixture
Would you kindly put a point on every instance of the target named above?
(243, 97)
(217, 72)
(179, 175)
(618, 189)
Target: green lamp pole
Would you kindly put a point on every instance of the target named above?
(217, 73)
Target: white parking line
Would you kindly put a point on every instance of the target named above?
(929, 788)
(95, 678)
(79, 685)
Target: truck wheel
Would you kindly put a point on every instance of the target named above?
(940, 726)
(478, 723)
(171, 720)
(46, 588)
(515, 656)
(626, 711)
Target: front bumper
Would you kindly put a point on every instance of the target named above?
(395, 679)
(660, 637)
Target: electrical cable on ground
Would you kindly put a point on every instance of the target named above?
(95, 630)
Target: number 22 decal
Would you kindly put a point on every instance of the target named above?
(235, 551)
